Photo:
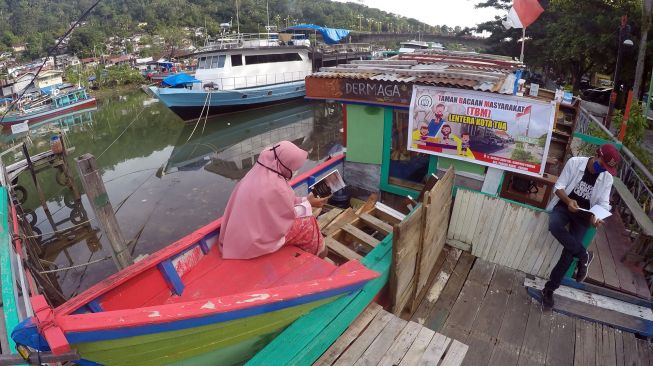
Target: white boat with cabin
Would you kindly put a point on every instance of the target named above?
(240, 72)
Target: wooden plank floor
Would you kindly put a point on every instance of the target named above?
(610, 245)
(504, 326)
(377, 337)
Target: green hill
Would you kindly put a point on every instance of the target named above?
(39, 22)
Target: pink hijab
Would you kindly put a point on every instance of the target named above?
(261, 211)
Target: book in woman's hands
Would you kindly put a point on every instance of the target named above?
(328, 184)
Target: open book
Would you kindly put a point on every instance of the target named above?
(328, 184)
(598, 212)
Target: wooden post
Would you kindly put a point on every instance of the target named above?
(99, 199)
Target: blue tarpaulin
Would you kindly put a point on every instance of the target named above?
(49, 89)
(179, 80)
(330, 35)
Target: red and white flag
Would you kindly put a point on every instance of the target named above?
(526, 111)
(523, 13)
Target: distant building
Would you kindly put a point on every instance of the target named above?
(90, 61)
(19, 48)
(120, 60)
(14, 87)
(49, 78)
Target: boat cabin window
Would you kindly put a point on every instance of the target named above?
(236, 60)
(276, 57)
(408, 169)
(211, 62)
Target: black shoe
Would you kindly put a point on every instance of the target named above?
(547, 298)
(583, 265)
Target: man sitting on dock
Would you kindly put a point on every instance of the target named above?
(584, 183)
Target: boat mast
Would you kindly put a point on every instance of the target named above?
(237, 19)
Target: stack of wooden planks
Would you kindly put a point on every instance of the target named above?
(351, 234)
(377, 337)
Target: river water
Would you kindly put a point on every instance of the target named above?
(164, 178)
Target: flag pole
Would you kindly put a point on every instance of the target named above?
(523, 41)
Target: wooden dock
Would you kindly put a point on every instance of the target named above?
(377, 337)
(487, 307)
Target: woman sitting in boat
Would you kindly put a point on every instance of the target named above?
(263, 213)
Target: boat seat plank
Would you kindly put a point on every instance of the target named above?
(341, 220)
(292, 265)
(326, 218)
(380, 225)
(360, 235)
(340, 249)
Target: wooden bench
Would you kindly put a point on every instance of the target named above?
(644, 223)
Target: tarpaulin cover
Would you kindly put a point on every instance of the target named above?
(330, 35)
(179, 80)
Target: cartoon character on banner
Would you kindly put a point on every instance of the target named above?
(464, 139)
(436, 119)
(446, 133)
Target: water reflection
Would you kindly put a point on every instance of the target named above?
(164, 178)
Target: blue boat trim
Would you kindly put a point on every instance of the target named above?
(108, 334)
(171, 276)
(95, 306)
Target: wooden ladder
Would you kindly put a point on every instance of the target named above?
(351, 234)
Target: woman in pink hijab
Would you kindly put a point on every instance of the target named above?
(263, 213)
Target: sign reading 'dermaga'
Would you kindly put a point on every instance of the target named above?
(505, 132)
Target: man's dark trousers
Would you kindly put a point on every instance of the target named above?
(571, 240)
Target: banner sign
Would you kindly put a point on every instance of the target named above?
(19, 128)
(504, 132)
(359, 91)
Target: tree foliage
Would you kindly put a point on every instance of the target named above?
(22, 19)
(571, 38)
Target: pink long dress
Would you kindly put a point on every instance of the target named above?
(260, 216)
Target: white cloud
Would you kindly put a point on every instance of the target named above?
(436, 12)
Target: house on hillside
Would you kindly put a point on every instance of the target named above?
(49, 78)
(12, 88)
(90, 61)
(120, 60)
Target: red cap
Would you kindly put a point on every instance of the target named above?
(611, 157)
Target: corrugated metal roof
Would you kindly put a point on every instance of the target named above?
(464, 70)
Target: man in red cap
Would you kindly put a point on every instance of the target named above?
(584, 183)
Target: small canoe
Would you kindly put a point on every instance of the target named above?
(186, 305)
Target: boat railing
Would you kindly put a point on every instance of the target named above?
(631, 170)
(239, 40)
(633, 184)
(248, 81)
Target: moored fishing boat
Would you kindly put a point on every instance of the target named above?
(185, 304)
(60, 102)
(233, 79)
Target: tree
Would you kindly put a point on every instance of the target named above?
(84, 40)
(641, 55)
(572, 37)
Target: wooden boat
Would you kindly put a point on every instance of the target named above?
(186, 305)
(49, 106)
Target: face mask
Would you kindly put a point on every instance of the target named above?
(598, 168)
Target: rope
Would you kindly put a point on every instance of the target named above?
(75, 266)
(208, 95)
(122, 133)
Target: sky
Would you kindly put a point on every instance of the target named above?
(436, 12)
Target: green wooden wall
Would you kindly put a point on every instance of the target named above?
(364, 133)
